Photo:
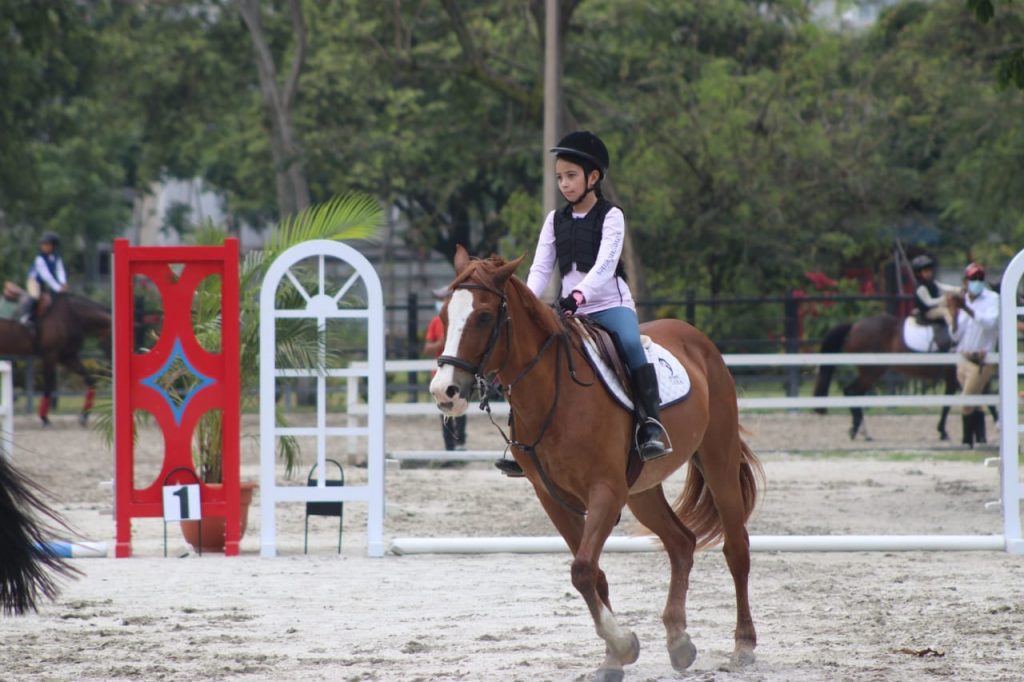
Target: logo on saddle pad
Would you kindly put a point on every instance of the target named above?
(673, 381)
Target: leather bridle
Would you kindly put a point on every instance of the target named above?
(477, 370)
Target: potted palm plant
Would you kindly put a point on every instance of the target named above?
(352, 216)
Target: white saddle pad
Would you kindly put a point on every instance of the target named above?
(673, 381)
(918, 337)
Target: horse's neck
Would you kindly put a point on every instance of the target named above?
(534, 329)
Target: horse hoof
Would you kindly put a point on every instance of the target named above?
(83, 419)
(45, 421)
(741, 658)
(682, 653)
(943, 435)
(609, 675)
(853, 434)
(634, 651)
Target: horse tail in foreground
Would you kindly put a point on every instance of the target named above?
(27, 572)
(832, 343)
(695, 505)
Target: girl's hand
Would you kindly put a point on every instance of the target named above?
(571, 303)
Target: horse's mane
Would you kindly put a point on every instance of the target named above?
(540, 313)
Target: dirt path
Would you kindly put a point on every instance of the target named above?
(835, 616)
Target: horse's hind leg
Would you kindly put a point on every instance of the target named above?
(76, 365)
(653, 510)
(720, 462)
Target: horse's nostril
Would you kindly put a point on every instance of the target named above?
(452, 391)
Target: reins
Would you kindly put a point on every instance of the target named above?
(562, 337)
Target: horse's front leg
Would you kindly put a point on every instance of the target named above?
(49, 388)
(623, 647)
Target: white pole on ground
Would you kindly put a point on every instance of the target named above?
(758, 543)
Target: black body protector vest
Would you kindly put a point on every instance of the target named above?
(578, 239)
(933, 290)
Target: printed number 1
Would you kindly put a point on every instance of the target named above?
(182, 495)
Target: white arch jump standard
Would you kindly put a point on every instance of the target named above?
(322, 306)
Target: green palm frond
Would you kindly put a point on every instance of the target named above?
(350, 216)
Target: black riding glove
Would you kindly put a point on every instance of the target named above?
(570, 303)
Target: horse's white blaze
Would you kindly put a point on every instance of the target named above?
(460, 307)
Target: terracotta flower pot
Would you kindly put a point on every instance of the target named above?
(212, 539)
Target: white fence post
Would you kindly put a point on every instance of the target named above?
(322, 306)
(7, 409)
(1009, 403)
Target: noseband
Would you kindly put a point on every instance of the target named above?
(492, 342)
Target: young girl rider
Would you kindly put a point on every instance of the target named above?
(46, 274)
(584, 240)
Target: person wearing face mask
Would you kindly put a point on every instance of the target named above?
(976, 333)
(453, 430)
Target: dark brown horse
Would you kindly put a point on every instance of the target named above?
(60, 333)
(27, 571)
(877, 334)
(573, 440)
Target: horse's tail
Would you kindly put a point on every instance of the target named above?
(832, 343)
(695, 505)
(27, 571)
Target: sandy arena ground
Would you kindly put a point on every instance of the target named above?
(835, 616)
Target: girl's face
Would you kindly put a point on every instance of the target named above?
(572, 182)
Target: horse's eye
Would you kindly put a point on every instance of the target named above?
(485, 318)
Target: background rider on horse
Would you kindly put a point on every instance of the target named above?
(46, 275)
(930, 300)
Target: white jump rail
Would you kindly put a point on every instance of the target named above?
(357, 407)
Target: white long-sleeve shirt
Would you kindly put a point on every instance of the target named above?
(56, 280)
(600, 287)
(979, 333)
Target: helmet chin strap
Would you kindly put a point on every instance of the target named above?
(583, 196)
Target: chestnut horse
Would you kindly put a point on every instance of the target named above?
(27, 572)
(573, 440)
(60, 333)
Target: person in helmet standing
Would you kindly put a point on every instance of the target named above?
(976, 331)
(930, 300)
(584, 242)
(46, 275)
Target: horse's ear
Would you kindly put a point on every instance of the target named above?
(502, 274)
(461, 259)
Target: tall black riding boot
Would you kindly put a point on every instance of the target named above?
(648, 403)
(968, 426)
(979, 426)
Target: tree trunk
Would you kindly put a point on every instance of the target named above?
(289, 167)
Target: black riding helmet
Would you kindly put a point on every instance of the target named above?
(585, 148)
(50, 238)
(922, 262)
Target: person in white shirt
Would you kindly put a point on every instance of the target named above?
(46, 274)
(584, 242)
(976, 332)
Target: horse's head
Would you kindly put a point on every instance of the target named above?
(474, 317)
